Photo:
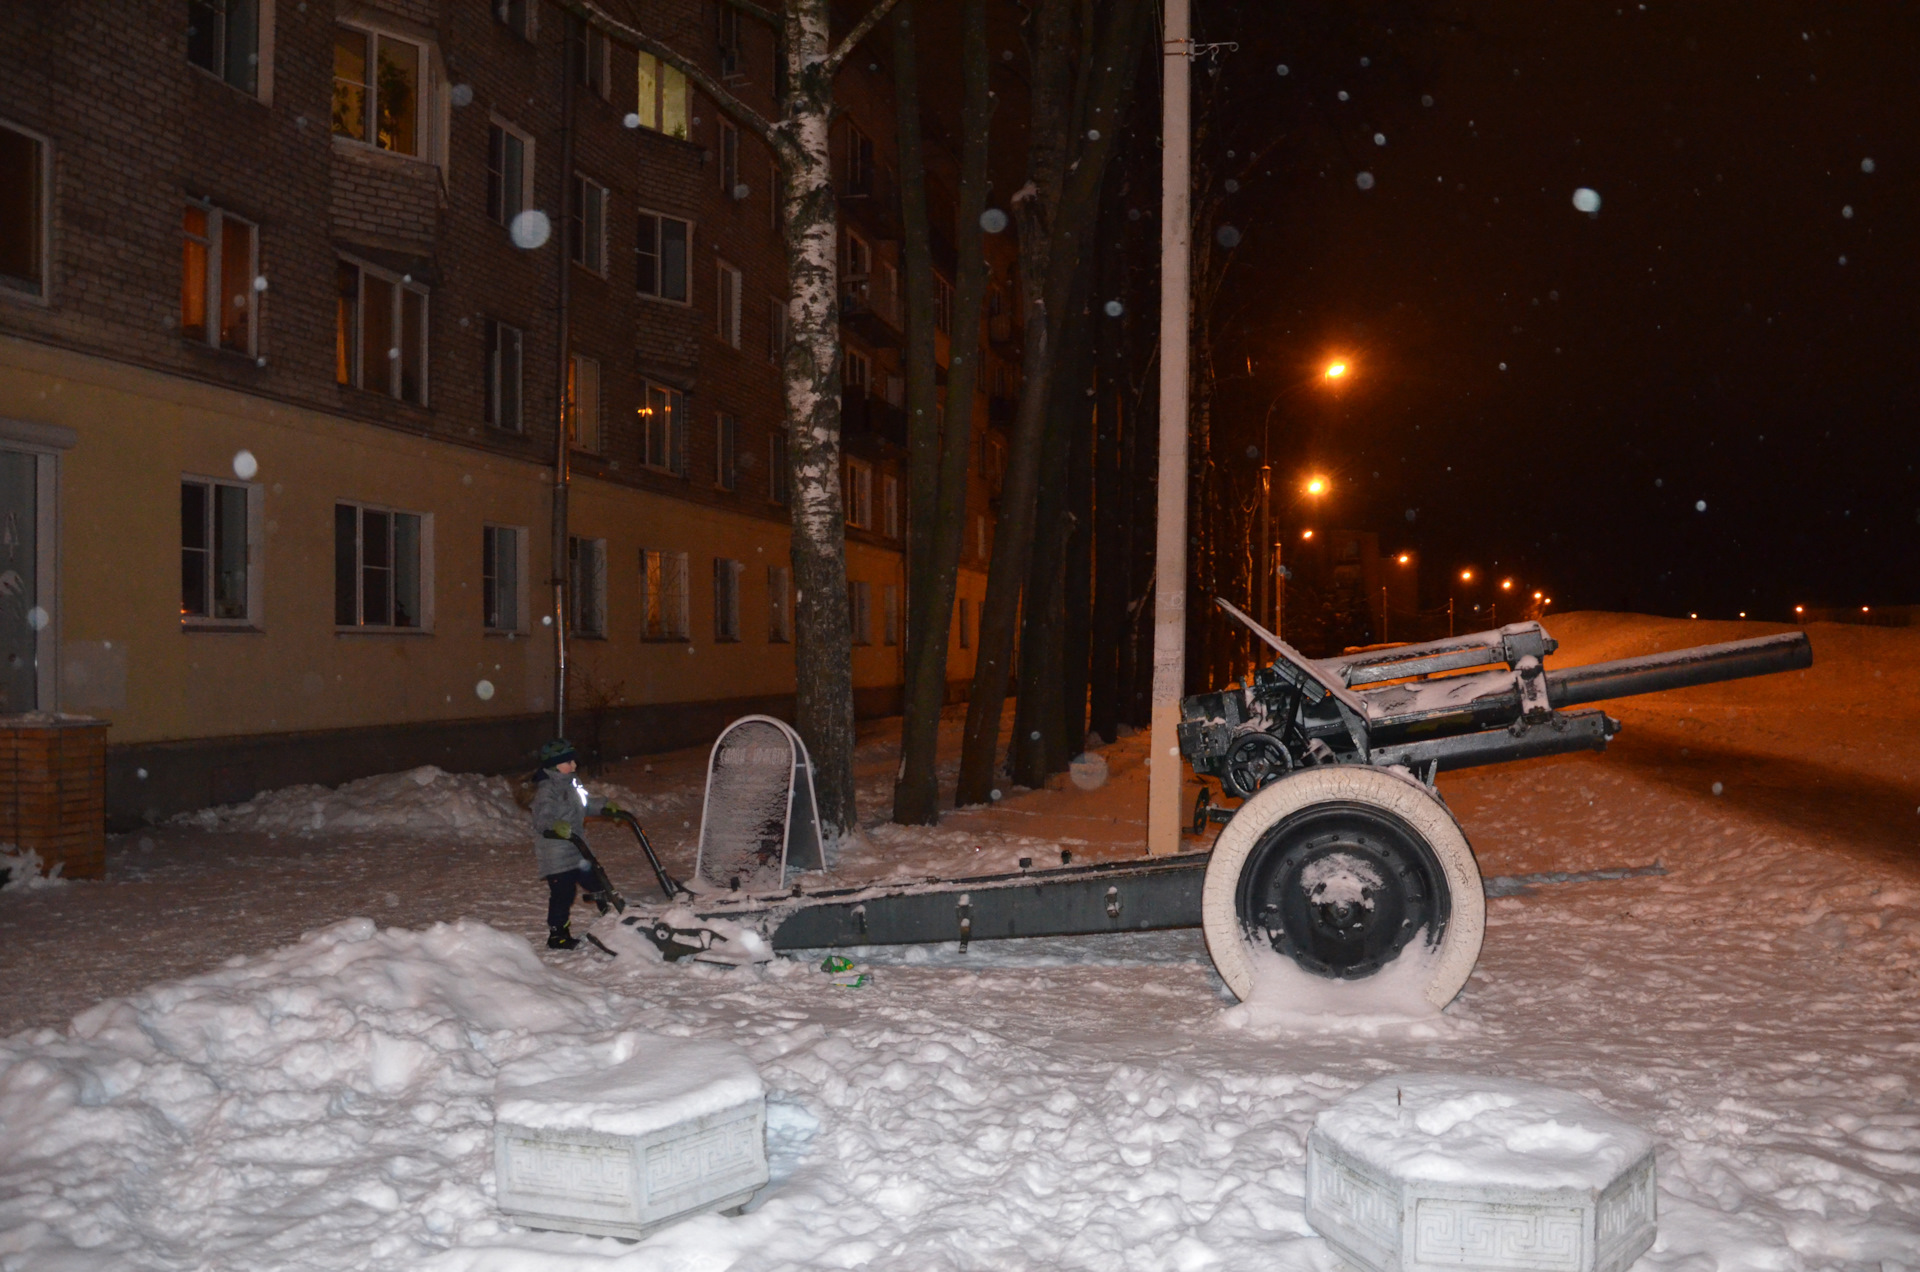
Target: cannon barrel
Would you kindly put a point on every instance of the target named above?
(1678, 669)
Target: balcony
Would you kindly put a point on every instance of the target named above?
(869, 422)
(870, 313)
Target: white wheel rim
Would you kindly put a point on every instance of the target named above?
(1402, 797)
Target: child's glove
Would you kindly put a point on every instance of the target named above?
(560, 830)
(611, 809)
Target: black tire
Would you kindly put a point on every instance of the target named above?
(1359, 830)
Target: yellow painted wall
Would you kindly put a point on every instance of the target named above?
(140, 432)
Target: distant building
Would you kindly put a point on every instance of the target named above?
(281, 387)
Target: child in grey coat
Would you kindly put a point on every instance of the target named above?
(561, 806)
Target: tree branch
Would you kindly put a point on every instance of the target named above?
(741, 113)
(859, 33)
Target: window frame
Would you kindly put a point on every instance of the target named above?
(585, 552)
(779, 477)
(578, 362)
(529, 28)
(495, 400)
(587, 224)
(890, 614)
(38, 289)
(726, 456)
(726, 600)
(424, 572)
(666, 603)
(777, 314)
(674, 439)
(252, 620)
(522, 594)
(857, 495)
(728, 284)
(213, 281)
(401, 286)
(263, 31)
(427, 134)
(779, 605)
(860, 611)
(890, 505)
(589, 57)
(654, 115)
(496, 176)
(658, 256)
(728, 152)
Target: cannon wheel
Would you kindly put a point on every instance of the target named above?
(1278, 869)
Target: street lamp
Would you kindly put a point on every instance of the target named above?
(1336, 370)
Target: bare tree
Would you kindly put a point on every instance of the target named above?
(823, 664)
(938, 446)
(1083, 59)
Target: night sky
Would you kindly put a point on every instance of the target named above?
(1735, 327)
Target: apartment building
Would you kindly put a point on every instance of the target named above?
(283, 289)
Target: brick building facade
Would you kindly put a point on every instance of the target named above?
(281, 382)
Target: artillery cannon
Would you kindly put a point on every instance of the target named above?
(1341, 855)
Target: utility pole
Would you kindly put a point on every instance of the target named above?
(1263, 563)
(563, 383)
(1170, 539)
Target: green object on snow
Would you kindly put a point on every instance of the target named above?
(836, 963)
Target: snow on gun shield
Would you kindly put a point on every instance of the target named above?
(1340, 857)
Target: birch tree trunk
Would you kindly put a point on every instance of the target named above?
(939, 451)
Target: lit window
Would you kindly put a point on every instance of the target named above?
(662, 104)
(217, 296)
(380, 338)
(663, 430)
(376, 89)
(663, 595)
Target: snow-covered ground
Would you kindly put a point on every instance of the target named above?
(323, 1100)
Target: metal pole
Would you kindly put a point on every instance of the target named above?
(1383, 617)
(1279, 591)
(1170, 540)
(1262, 568)
(562, 442)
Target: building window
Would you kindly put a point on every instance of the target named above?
(856, 372)
(726, 468)
(218, 260)
(587, 224)
(726, 304)
(662, 104)
(218, 535)
(583, 402)
(23, 211)
(509, 172)
(661, 257)
(942, 306)
(502, 603)
(586, 586)
(223, 39)
(776, 330)
(504, 345)
(779, 605)
(778, 478)
(859, 163)
(729, 39)
(663, 430)
(517, 16)
(980, 536)
(726, 599)
(890, 614)
(376, 89)
(966, 623)
(856, 280)
(890, 506)
(663, 595)
(380, 564)
(381, 333)
(587, 49)
(859, 494)
(860, 612)
(730, 155)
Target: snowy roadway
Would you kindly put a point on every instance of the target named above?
(325, 1102)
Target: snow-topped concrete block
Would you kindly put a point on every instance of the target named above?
(619, 1139)
(1424, 1172)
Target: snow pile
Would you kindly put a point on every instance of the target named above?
(1288, 999)
(326, 1106)
(21, 869)
(628, 1085)
(1453, 1129)
(425, 801)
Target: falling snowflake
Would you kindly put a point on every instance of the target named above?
(530, 229)
(993, 220)
(1364, 181)
(1586, 200)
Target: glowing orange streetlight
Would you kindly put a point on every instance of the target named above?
(1404, 558)
(1316, 485)
(1536, 596)
(1336, 370)
(1506, 585)
(1306, 534)
(1799, 609)
(1466, 576)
